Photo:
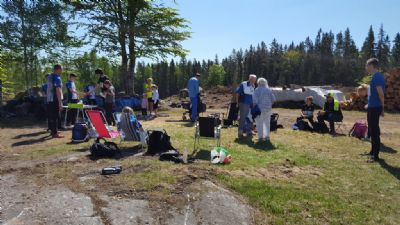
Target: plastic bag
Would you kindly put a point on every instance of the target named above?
(220, 155)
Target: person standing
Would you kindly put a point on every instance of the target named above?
(375, 107)
(193, 87)
(90, 93)
(244, 98)
(100, 83)
(156, 98)
(263, 98)
(72, 98)
(109, 93)
(44, 95)
(149, 92)
(54, 100)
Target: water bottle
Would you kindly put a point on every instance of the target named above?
(111, 170)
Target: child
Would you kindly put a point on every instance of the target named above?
(144, 105)
(307, 112)
(155, 98)
(90, 93)
(109, 93)
(72, 98)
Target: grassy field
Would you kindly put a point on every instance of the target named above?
(298, 178)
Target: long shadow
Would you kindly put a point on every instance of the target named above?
(30, 135)
(395, 171)
(201, 154)
(264, 145)
(31, 141)
(388, 149)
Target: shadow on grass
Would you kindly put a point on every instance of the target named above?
(395, 171)
(32, 141)
(388, 149)
(30, 135)
(201, 154)
(263, 145)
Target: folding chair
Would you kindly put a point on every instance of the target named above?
(130, 131)
(96, 119)
(207, 127)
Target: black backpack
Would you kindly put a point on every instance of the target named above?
(274, 122)
(321, 128)
(159, 142)
(107, 149)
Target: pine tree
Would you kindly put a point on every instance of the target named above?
(396, 51)
(383, 48)
(368, 48)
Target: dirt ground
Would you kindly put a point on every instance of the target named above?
(40, 186)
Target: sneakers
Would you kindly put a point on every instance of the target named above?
(57, 136)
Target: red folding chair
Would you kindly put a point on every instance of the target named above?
(97, 119)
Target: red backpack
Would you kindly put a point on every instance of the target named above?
(359, 129)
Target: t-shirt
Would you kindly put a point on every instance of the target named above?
(147, 89)
(44, 88)
(155, 96)
(110, 97)
(308, 110)
(53, 81)
(246, 91)
(101, 82)
(71, 93)
(373, 96)
(90, 89)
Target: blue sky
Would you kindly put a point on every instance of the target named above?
(218, 26)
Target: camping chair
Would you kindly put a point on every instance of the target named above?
(96, 119)
(129, 130)
(207, 127)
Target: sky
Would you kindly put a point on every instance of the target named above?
(218, 26)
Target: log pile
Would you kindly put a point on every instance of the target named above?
(392, 97)
(358, 99)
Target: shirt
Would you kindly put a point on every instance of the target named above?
(101, 82)
(110, 95)
(71, 93)
(155, 96)
(373, 97)
(147, 89)
(193, 87)
(53, 81)
(90, 89)
(263, 98)
(245, 92)
(308, 110)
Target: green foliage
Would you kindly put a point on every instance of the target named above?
(6, 84)
(216, 75)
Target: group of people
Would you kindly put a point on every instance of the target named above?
(254, 99)
(54, 97)
(150, 99)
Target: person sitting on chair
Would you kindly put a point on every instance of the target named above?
(129, 125)
(331, 112)
(307, 111)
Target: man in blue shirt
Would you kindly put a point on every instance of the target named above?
(244, 98)
(54, 100)
(72, 98)
(376, 104)
(194, 94)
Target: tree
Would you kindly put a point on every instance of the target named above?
(216, 75)
(396, 51)
(133, 29)
(383, 48)
(368, 48)
(28, 27)
(5, 81)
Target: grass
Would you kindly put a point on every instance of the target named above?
(299, 178)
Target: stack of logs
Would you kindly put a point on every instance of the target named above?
(392, 97)
(358, 99)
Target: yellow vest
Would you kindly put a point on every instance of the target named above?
(336, 105)
(147, 89)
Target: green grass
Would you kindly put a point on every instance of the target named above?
(299, 178)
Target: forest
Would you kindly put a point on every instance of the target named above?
(134, 40)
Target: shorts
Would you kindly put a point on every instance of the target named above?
(155, 106)
(150, 100)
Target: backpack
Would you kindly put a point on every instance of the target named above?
(359, 129)
(79, 132)
(274, 122)
(158, 142)
(171, 155)
(302, 125)
(107, 149)
(321, 128)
